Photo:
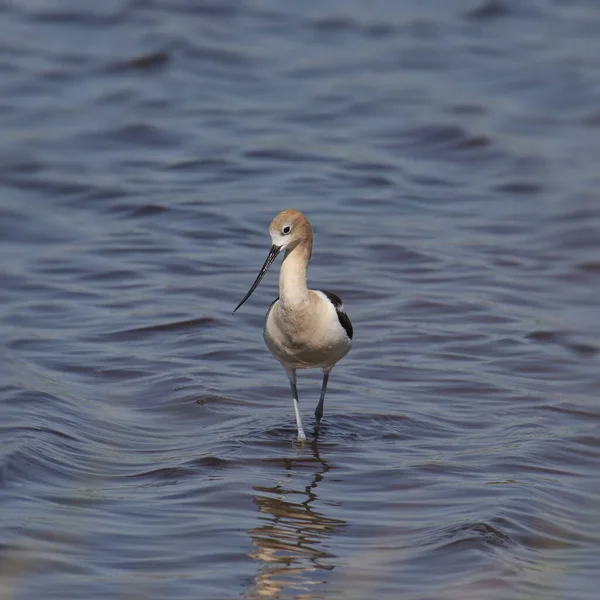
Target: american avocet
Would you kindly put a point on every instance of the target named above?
(304, 329)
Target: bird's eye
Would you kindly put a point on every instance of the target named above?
(286, 230)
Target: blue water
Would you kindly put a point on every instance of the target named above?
(446, 154)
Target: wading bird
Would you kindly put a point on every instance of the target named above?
(304, 329)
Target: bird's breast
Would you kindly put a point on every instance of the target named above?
(306, 337)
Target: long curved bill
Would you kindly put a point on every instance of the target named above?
(270, 259)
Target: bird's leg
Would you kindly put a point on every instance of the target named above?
(291, 373)
(319, 409)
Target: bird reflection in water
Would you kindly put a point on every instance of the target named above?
(291, 543)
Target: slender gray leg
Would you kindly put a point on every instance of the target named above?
(291, 373)
(319, 409)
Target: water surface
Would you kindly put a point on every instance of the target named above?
(446, 154)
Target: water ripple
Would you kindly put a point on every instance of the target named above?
(446, 155)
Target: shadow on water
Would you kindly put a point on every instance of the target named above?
(291, 543)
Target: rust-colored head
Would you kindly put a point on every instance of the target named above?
(288, 230)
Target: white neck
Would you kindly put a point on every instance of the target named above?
(293, 292)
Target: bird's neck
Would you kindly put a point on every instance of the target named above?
(293, 291)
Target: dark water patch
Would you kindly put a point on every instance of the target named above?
(146, 62)
(380, 30)
(577, 410)
(217, 56)
(212, 10)
(449, 141)
(338, 427)
(373, 181)
(467, 109)
(589, 266)
(211, 462)
(164, 475)
(175, 326)
(490, 10)
(112, 275)
(48, 185)
(583, 349)
(520, 188)
(565, 340)
(474, 535)
(46, 432)
(39, 461)
(592, 119)
(397, 252)
(282, 154)
(82, 372)
(333, 24)
(211, 400)
(148, 210)
(100, 195)
(444, 136)
(143, 134)
(22, 165)
(209, 164)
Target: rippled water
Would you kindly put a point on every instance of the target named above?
(447, 156)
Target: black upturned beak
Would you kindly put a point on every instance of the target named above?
(270, 259)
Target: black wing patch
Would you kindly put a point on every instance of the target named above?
(339, 309)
